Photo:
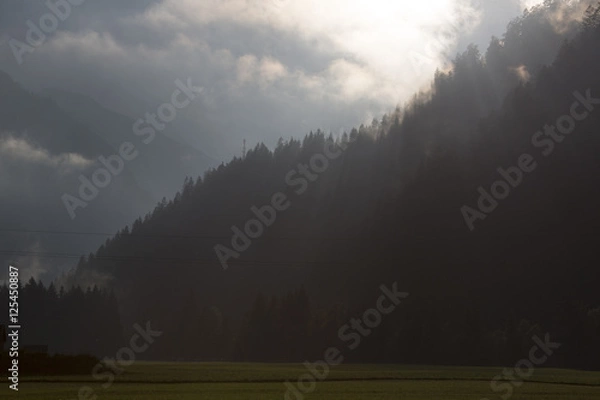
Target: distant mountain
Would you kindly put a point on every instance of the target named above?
(161, 165)
(43, 151)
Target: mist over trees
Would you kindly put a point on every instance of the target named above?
(389, 210)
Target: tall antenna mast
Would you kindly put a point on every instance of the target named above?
(244, 150)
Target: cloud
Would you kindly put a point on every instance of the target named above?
(89, 44)
(353, 81)
(31, 266)
(373, 36)
(521, 73)
(567, 14)
(246, 68)
(530, 3)
(265, 63)
(23, 151)
(365, 37)
(263, 72)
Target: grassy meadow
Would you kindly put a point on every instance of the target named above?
(240, 381)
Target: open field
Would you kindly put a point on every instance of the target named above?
(227, 381)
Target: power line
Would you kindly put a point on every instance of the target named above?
(175, 236)
(167, 259)
(312, 238)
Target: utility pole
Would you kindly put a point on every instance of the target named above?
(244, 150)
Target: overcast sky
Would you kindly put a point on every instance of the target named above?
(270, 68)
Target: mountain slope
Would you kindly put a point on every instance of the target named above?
(390, 209)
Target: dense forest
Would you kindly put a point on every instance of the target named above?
(390, 209)
(69, 321)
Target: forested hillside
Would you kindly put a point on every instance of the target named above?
(391, 208)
